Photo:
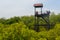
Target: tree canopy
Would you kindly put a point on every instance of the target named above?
(22, 28)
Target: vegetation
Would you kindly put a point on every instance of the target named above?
(21, 28)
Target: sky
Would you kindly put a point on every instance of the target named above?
(11, 8)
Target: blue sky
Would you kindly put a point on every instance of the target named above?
(11, 8)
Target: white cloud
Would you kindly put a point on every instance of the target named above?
(9, 8)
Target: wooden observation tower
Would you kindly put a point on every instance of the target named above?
(38, 15)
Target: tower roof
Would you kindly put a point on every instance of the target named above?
(38, 5)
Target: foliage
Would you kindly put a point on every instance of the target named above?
(21, 28)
